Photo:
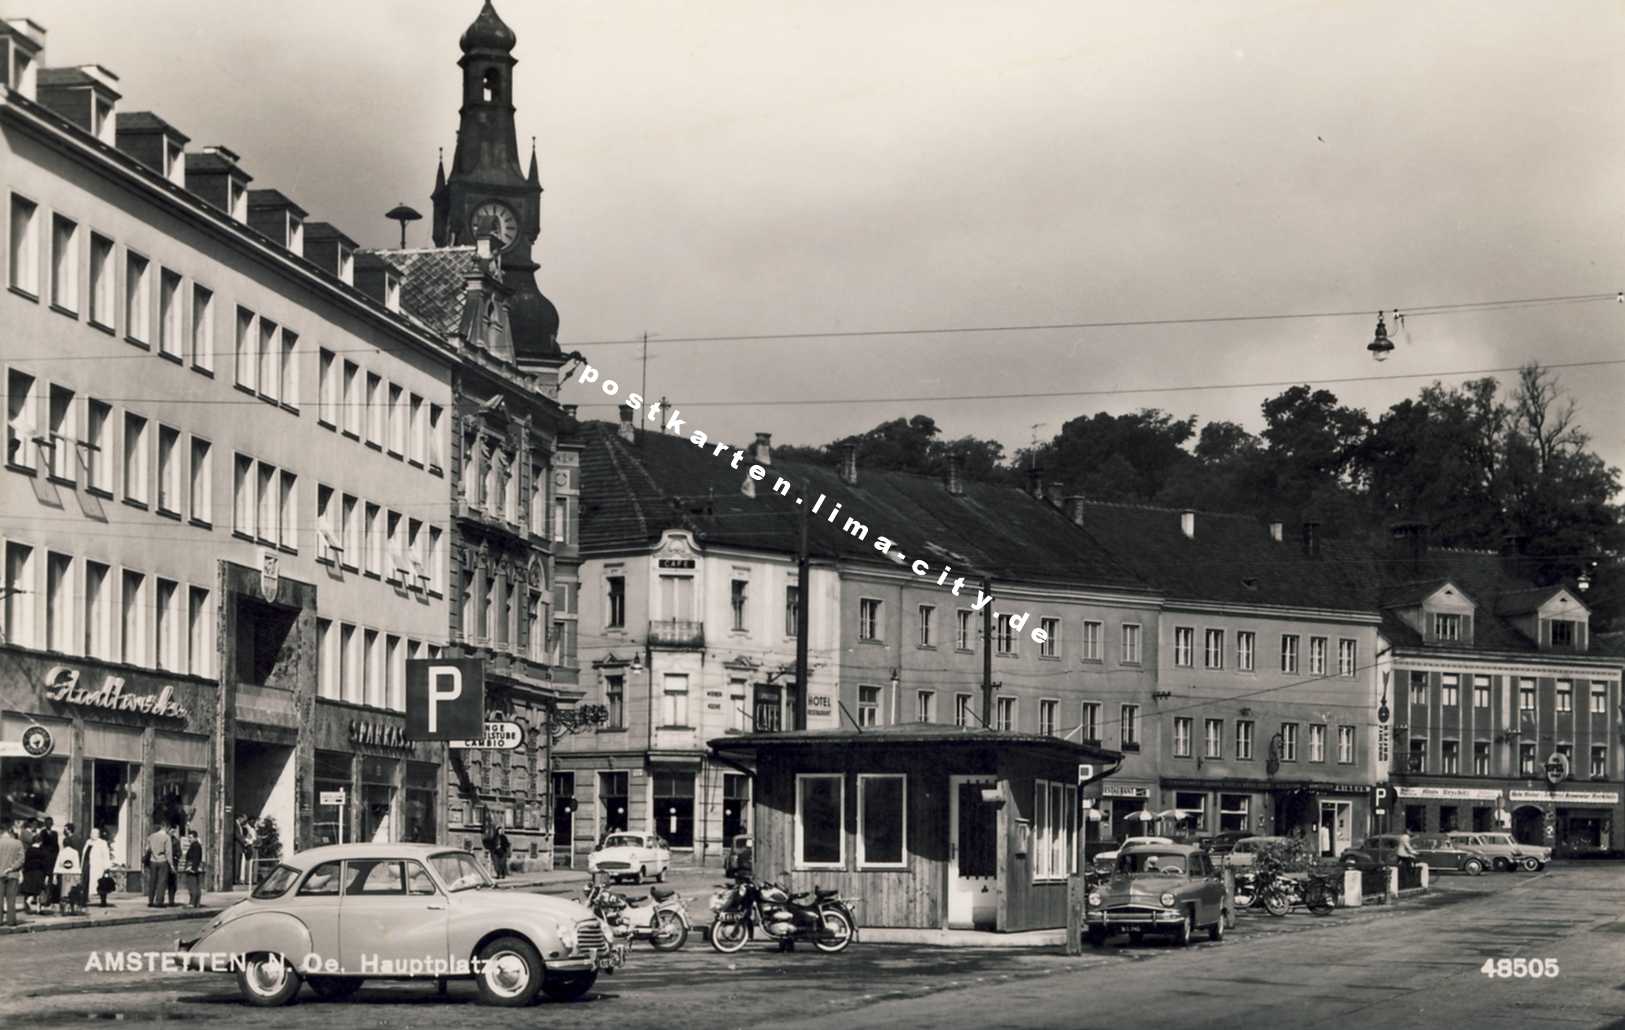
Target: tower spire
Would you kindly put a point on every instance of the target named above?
(533, 177)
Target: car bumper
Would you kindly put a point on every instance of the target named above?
(1138, 918)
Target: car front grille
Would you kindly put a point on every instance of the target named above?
(614, 865)
(590, 936)
(1133, 910)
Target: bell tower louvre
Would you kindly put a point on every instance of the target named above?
(486, 193)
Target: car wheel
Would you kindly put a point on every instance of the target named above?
(267, 980)
(568, 987)
(335, 988)
(1216, 931)
(510, 972)
(1182, 936)
(1531, 864)
(1472, 867)
(1096, 936)
(1502, 865)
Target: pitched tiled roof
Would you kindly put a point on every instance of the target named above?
(146, 121)
(432, 282)
(631, 492)
(1232, 559)
(1499, 585)
(1518, 602)
(1400, 595)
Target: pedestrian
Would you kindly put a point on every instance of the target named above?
(192, 869)
(1405, 854)
(246, 838)
(98, 860)
(11, 870)
(1325, 839)
(36, 871)
(493, 844)
(504, 849)
(175, 851)
(160, 862)
(53, 846)
(69, 871)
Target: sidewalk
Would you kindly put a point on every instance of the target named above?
(124, 909)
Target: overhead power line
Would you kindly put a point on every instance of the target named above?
(1120, 391)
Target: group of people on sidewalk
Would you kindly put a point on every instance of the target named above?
(45, 868)
(172, 861)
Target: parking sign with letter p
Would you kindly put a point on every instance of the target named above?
(445, 698)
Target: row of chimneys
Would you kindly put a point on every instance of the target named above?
(87, 96)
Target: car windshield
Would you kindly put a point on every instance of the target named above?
(1153, 862)
(276, 882)
(459, 870)
(623, 840)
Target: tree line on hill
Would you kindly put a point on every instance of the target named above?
(1477, 465)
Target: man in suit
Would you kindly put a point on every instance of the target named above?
(11, 871)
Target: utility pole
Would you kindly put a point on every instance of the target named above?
(987, 654)
(645, 386)
(803, 610)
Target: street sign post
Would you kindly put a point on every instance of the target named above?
(1077, 891)
(336, 799)
(445, 699)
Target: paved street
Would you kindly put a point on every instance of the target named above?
(1416, 966)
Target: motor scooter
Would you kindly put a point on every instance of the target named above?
(661, 918)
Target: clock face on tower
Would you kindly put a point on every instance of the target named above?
(493, 216)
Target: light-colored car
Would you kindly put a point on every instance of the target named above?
(1245, 853)
(1502, 850)
(1167, 889)
(1128, 842)
(633, 855)
(338, 915)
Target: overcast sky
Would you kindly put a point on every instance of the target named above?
(740, 166)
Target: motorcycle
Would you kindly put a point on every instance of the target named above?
(1247, 894)
(1280, 894)
(663, 922)
(820, 916)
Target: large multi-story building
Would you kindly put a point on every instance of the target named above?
(1505, 714)
(1264, 714)
(511, 559)
(217, 448)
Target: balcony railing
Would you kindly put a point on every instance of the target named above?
(676, 633)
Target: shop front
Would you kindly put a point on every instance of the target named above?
(1123, 809)
(1447, 807)
(128, 750)
(369, 783)
(1570, 822)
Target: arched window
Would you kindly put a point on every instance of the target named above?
(493, 84)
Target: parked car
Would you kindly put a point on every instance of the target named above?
(637, 856)
(738, 858)
(1111, 855)
(1221, 844)
(1373, 852)
(1168, 889)
(1439, 851)
(1504, 852)
(338, 915)
(1245, 853)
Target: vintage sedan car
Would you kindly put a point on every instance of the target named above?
(1169, 889)
(634, 855)
(1245, 853)
(1504, 853)
(1111, 856)
(338, 915)
(1440, 852)
(1373, 853)
(1220, 844)
(738, 858)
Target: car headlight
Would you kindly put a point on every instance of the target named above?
(1167, 900)
(567, 936)
(1094, 899)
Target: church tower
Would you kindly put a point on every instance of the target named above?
(487, 194)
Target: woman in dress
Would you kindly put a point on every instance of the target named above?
(36, 871)
(98, 860)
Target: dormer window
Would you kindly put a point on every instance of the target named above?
(1446, 626)
(237, 198)
(100, 112)
(296, 235)
(346, 264)
(392, 291)
(19, 68)
(1567, 634)
(173, 165)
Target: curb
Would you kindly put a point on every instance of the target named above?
(89, 924)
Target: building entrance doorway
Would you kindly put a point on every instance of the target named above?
(1529, 825)
(674, 808)
(263, 789)
(735, 806)
(1337, 824)
(564, 820)
(973, 854)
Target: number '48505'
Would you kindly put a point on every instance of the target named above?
(1519, 968)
